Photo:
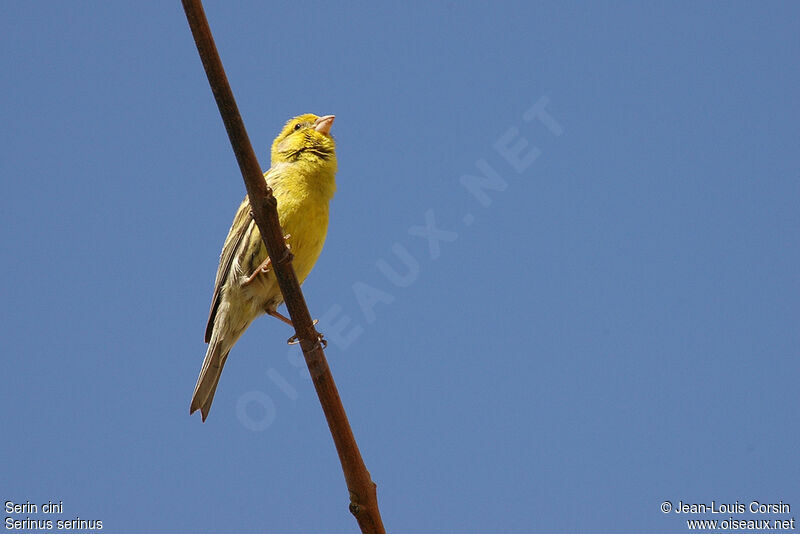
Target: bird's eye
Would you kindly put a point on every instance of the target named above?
(297, 126)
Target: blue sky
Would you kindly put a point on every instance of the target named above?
(613, 325)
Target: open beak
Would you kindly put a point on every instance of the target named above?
(323, 124)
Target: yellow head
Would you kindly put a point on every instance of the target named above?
(306, 138)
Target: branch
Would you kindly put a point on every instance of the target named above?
(363, 497)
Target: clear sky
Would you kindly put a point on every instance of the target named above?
(560, 284)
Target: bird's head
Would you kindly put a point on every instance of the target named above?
(307, 138)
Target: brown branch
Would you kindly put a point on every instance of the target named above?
(363, 497)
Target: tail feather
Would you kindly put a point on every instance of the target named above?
(209, 377)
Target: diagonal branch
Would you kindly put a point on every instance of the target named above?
(363, 497)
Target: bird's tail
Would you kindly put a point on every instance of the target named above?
(209, 375)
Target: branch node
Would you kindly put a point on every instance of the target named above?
(355, 509)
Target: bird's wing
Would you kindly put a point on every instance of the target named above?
(241, 227)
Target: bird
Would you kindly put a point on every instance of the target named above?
(302, 178)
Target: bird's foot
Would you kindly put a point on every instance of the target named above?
(264, 268)
(261, 269)
(294, 340)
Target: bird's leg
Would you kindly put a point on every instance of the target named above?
(280, 317)
(264, 268)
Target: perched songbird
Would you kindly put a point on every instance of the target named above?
(302, 178)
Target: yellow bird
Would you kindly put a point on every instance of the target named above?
(302, 177)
